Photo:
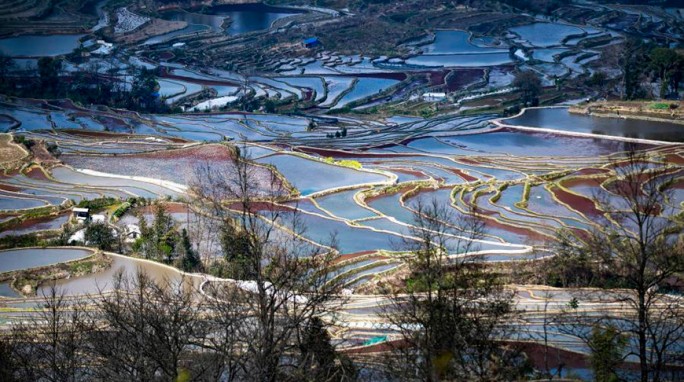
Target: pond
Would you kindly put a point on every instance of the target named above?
(546, 34)
(7, 291)
(214, 103)
(39, 46)
(342, 204)
(547, 55)
(26, 258)
(49, 223)
(336, 86)
(95, 282)
(135, 187)
(314, 83)
(169, 88)
(390, 205)
(542, 202)
(530, 144)
(456, 42)
(347, 239)
(11, 204)
(30, 121)
(365, 87)
(310, 176)
(246, 18)
(214, 22)
(385, 224)
(561, 119)
(460, 60)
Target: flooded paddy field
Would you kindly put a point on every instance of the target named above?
(25, 258)
(39, 45)
(468, 159)
(463, 164)
(354, 139)
(560, 119)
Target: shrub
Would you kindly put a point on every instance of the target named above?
(121, 210)
(96, 204)
(660, 106)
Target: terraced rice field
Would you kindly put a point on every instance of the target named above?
(355, 177)
(362, 190)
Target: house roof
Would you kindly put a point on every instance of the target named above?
(311, 40)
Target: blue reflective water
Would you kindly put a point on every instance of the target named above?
(25, 258)
(39, 46)
(561, 119)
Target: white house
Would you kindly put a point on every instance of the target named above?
(132, 232)
(81, 214)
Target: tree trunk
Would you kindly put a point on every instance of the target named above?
(643, 362)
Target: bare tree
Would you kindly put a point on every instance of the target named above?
(639, 249)
(282, 289)
(547, 326)
(451, 313)
(147, 329)
(47, 345)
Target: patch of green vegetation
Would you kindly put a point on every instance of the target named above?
(4, 226)
(22, 140)
(121, 210)
(81, 267)
(350, 163)
(97, 204)
(39, 212)
(345, 162)
(496, 197)
(525, 196)
(15, 241)
(659, 106)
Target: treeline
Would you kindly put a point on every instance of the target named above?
(161, 240)
(157, 330)
(645, 63)
(90, 86)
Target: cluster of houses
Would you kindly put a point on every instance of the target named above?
(82, 216)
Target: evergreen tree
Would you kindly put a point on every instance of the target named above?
(143, 90)
(530, 85)
(158, 241)
(668, 66)
(190, 260)
(99, 235)
(48, 70)
(607, 347)
(236, 245)
(319, 361)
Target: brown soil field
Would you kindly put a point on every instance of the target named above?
(11, 153)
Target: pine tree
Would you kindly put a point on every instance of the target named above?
(607, 348)
(190, 261)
